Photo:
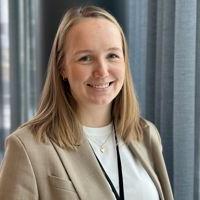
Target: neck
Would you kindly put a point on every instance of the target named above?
(96, 116)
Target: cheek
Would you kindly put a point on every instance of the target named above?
(120, 73)
(77, 75)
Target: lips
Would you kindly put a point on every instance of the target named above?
(100, 85)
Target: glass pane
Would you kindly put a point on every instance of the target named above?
(4, 74)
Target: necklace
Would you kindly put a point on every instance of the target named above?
(102, 146)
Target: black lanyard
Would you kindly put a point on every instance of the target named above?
(119, 196)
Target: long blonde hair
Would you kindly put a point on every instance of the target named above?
(56, 115)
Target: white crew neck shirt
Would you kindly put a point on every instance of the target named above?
(137, 183)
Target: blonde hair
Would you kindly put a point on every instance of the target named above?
(56, 115)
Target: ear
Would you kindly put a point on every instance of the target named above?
(63, 72)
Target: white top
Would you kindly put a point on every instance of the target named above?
(137, 183)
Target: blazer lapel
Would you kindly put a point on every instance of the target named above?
(140, 151)
(85, 173)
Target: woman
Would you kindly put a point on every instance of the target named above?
(87, 139)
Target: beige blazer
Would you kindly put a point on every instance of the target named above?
(33, 171)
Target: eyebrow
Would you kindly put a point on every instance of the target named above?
(89, 51)
(114, 49)
(82, 51)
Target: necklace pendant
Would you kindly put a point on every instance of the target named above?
(102, 149)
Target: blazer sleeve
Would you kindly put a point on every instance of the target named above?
(17, 179)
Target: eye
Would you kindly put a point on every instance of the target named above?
(85, 59)
(113, 56)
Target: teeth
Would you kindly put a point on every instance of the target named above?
(100, 86)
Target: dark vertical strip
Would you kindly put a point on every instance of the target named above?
(35, 54)
(39, 49)
(15, 88)
(197, 110)
(136, 24)
(151, 60)
(159, 60)
(164, 78)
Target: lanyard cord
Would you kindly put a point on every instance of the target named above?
(119, 196)
(121, 185)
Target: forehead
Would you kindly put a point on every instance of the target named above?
(93, 31)
(98, 22)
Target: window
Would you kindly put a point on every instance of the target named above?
(20, 73)
(4, 74)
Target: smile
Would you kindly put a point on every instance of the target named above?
(100, 85)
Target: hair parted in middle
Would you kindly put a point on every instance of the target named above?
(56, 116)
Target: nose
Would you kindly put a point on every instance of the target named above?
(101, 69)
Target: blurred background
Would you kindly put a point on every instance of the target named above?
(164, 50)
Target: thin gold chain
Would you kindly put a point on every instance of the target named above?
(101, 146)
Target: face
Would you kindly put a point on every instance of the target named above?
(94, 62)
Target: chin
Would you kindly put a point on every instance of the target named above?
(102, 101)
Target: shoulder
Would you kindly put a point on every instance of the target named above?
(22, 143)
(20, 133)
(23, 136)
(151, 133)
(19, 137)
(15, 147)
